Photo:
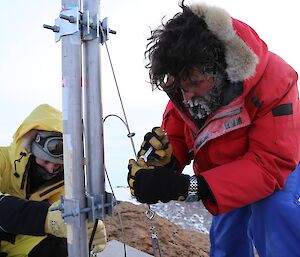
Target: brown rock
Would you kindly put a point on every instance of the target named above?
(174, 241)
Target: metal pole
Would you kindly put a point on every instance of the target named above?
(93, 107)
(73, 141)
(76, 28)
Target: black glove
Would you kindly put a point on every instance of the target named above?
(152, 184)
(162, 150)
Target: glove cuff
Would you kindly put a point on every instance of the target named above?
(180, 186)
(204, 191)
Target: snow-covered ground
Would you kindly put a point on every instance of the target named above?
(191, 216)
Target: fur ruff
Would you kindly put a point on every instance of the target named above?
(241, 60)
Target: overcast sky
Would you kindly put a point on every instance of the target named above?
(30, 66)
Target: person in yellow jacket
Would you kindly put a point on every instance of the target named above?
(32, 181)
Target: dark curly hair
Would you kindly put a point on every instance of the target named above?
(182, 43)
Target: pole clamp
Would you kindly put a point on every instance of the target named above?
(71, 20)
(97, 208)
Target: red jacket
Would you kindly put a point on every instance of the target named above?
(246, 150)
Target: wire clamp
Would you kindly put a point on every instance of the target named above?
(154, 238)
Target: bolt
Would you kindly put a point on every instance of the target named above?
(71, 19)
(53, 28)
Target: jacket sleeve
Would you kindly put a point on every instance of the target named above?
(20, 216)
(273, 150)
(174, 127)
(3, 161)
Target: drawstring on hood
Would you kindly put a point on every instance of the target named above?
(16, 174)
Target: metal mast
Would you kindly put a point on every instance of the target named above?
(93, 104)
(73, 127)
(85, 197)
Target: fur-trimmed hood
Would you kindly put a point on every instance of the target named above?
(245, 52)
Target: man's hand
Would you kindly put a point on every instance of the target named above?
(162, 150)
(152, 184)
(99, 241)
(54, 223)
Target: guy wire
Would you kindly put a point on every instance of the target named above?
(155, 244)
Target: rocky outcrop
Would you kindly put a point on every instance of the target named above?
(174, 241)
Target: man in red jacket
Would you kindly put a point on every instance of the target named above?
(233, 111)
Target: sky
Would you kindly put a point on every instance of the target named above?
(30, 64)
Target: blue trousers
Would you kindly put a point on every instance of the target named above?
(272, 225)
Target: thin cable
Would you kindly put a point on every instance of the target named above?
(119, 94)
(155, 244)
(118, 212)
(130, 134)
(92, 236)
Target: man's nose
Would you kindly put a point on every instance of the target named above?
(187, 90)
(188, 95)
(52, 167)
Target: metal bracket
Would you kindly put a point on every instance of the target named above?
(71, 20)
(92, 27)
(66, 24)
(71, 211)
(97, 208)
(105, 30)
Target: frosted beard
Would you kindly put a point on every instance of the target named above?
(202, 106)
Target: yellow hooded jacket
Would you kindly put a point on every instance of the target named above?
(14, 170)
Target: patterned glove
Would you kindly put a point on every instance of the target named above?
(152, 184)
(162, 150)
(54, 223)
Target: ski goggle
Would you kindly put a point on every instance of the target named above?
(53, 145)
